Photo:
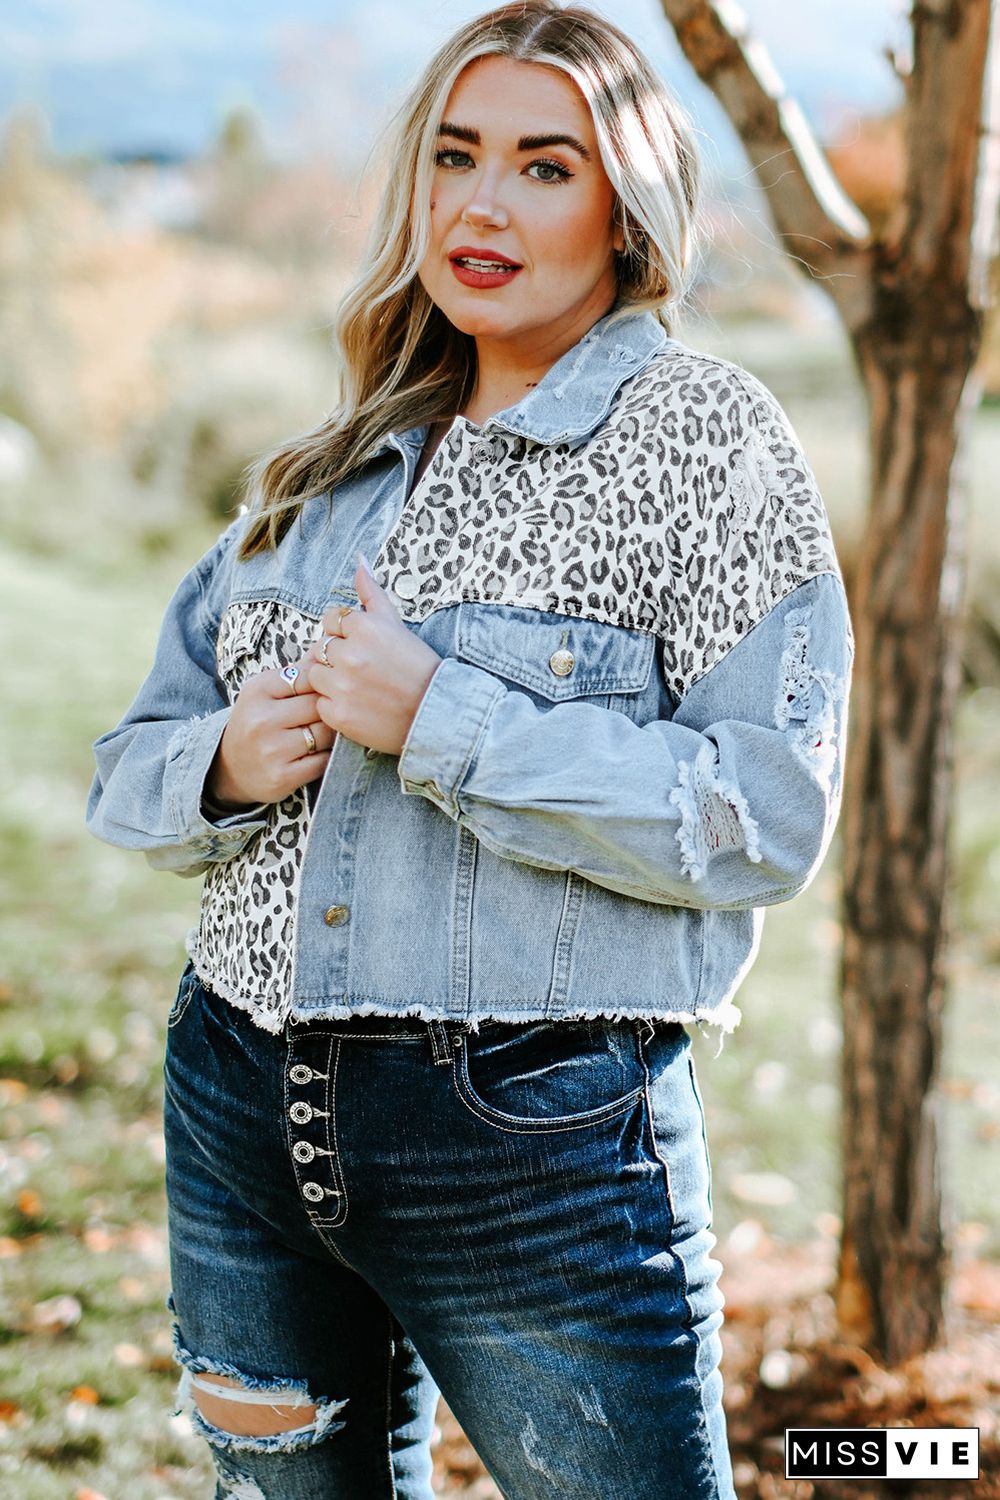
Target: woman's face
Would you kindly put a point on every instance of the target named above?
(519, 176)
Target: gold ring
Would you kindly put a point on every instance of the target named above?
(342, 613)
(310, 739)
(322, 650)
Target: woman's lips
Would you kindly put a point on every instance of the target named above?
(474, 278)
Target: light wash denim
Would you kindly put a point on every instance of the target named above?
(368, 1212)
(545, 846)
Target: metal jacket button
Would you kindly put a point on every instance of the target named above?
(334, 916)
(562, 662)
(407, 586)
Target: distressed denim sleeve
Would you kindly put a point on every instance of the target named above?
(147, 790)
(731, 803)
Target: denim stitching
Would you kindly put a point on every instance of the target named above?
(393, 1492)
(679, 1259)
(331, 1138)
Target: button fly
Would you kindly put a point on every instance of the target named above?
(300, 1073)
(313, 1192)
(301, 1112)
(303, 1151)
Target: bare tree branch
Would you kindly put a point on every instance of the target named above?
(817, 220)
(950, 43)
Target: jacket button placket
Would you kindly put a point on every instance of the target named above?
(309, 1105)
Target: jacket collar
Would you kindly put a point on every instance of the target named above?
(574, 395)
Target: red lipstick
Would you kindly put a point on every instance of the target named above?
(482, 267)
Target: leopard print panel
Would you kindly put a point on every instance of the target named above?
(242, 948)
(690, 514)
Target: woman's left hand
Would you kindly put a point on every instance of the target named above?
(379, 670)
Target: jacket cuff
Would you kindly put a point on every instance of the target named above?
(447, 727)
(189, 756)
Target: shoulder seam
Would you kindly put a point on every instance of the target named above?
(775, 604)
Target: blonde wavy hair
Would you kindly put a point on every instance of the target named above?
(402, 363)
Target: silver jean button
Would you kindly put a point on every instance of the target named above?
(301, 1113)
(303, 1151)
(300, 1073)
(313, 1192)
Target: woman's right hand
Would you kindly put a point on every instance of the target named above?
(262, 756)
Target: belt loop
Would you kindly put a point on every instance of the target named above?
(439, 1043)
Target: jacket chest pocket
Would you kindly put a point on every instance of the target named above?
(555, 657)
(256, 635)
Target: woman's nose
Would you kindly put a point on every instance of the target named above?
(484, 211)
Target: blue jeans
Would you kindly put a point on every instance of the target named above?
(370, 1212)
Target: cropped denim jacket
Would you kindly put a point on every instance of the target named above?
(632, 747)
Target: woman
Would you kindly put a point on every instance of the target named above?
(484, 824)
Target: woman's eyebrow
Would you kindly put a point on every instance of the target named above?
(526, 143)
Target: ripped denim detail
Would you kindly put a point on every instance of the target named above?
(267, 1390)
(755, 477)
(240, 1486)
(714, 814)
(807, 701)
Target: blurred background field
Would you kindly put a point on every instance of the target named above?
(160, 323)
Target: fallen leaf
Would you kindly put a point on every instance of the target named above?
(98, 1239)
(763, 1187)
(55, 1314)
(84, 1393)
(29, 1204)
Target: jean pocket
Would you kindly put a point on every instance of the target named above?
(186, 987)
(538, 1076)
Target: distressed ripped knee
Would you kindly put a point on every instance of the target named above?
(230, 1407)
(248, 1413)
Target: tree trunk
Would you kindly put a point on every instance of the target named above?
(894, 1254)
(912, 298)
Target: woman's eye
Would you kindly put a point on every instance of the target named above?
(441, 161)
(555, 171)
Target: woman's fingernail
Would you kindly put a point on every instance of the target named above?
(362, 559)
